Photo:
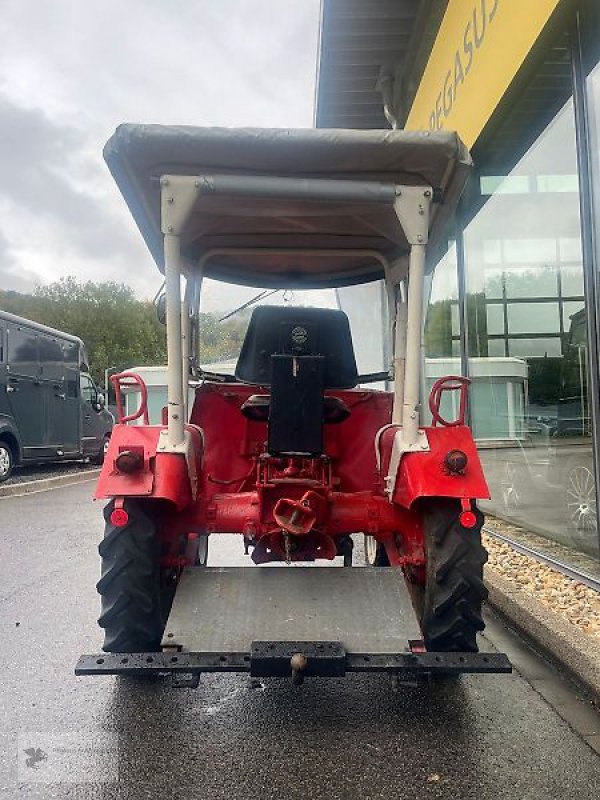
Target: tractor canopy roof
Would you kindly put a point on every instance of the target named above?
(280, 232)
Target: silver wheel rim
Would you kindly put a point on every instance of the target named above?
(581, 499)
(371, 549)
(4, 461)
(511, 499)
(105, 446)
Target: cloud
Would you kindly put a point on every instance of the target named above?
(73, 71)
(57, 223)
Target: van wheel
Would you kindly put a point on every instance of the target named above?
(6, 461)
(136, 597)
(98, 459)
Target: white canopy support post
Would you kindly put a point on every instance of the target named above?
(412, 207)
(178, 196)
(175, 407)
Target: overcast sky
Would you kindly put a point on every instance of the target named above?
(72, 70)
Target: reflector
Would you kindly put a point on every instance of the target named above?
(119, 517)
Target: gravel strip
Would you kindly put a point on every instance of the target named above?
(547, 546)
(576, 603)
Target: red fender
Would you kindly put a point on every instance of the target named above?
(426, 475)
(163, 476)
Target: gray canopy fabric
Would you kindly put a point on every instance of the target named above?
(138, 155)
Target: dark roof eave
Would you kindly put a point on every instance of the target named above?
(357, 44)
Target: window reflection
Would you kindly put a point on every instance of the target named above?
(526, 337)
(366, 307)
(442, 332)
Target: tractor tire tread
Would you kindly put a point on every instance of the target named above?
(454, 589)
(129, 585)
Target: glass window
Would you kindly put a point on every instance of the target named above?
(442, 330)
(494, 284)
(530, 282)
(492, 251)
(497, 347)
(533, 318)
(504, 184)
(88, 390)
(529, 251)
(571, 279)
(495, 318)
(534, 348)
(569, 310)
(593, 95)
(51, 357)
(71, 355)
(366, 307)
(227, 309)
(72, 381)
(557, 183)
(526, 337)
(455, 320)
(23, 351)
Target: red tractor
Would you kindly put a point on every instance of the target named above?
(293, 452)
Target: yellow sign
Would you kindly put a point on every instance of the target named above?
(480, 47)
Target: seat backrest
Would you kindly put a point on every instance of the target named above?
(289, 330)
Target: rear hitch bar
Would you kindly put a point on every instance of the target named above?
(295, 659)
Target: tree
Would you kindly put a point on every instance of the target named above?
(118, 330)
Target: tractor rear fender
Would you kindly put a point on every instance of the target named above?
(161, 476)
(427, 474)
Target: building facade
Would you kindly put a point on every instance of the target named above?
(515, 295)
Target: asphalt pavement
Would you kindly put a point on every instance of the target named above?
(66, 737)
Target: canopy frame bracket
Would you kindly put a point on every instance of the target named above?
(412, 205)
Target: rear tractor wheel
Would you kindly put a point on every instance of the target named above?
(454, 591)
(136, 598)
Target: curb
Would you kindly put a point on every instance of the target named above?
(577, 653)
(44, 484)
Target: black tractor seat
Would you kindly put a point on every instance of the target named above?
(299, 354)
(257, 408)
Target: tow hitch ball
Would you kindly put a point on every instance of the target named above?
(298, 663)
